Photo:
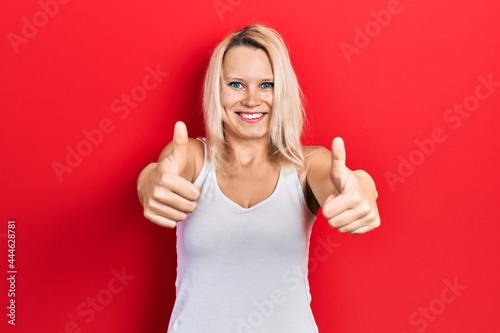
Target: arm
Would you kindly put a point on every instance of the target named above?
(348, 198)
(165, 188)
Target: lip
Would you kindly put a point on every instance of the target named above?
(239, 113)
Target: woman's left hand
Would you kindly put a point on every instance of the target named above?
(354, 208)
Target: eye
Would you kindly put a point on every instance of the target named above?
(236, 85)
(267, 85)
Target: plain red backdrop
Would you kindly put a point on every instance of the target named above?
(67, 65)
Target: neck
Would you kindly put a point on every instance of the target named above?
(247, 153)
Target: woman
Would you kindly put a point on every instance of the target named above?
(244, 200)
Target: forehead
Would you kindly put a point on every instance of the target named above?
(246, 61)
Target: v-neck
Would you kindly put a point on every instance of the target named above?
(232, 202)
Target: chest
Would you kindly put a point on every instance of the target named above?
(249, 187)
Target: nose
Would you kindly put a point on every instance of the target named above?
(252, 98)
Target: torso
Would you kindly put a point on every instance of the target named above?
(230, 258)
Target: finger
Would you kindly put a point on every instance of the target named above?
(163, 222)
(158, 219)
(177, 159)
(339, 171)
(180, 145)
(166, 212)
(347, 218)
(355, 220)
(363, 229)
(175, 201)
(177, 185)
(336, 205)
(356, 228)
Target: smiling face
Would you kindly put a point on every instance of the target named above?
(247, 93)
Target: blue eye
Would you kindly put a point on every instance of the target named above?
(236, 85)
(267, 85)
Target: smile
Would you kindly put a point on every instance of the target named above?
(251, 116)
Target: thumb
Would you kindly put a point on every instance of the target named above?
(339, 172)
(178, 155)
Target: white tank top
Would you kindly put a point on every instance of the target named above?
(244, 270)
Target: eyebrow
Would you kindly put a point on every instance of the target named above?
(231, 78)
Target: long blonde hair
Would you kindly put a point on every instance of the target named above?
(287, 116)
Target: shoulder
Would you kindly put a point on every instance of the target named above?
(197, 149)
(317, 161)
(195, 157)
(315, 156)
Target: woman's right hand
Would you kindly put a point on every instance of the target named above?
(163, 187)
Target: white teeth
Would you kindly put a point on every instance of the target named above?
(251, 115)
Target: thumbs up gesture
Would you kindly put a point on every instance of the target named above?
(353, 208)
(164, 188)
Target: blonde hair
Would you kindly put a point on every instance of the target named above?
(287, 115)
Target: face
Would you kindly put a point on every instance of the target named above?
(247, 93)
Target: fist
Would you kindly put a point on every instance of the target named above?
(353, 209)
(167, 197)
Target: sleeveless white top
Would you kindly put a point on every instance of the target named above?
(244, 270)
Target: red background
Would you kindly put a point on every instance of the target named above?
(439, 226)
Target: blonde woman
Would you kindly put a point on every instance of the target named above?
(244, 199)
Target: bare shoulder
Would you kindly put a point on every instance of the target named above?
(195, 157)
(198, 149)
(318, 161)
(314, 155)
(195, 148)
